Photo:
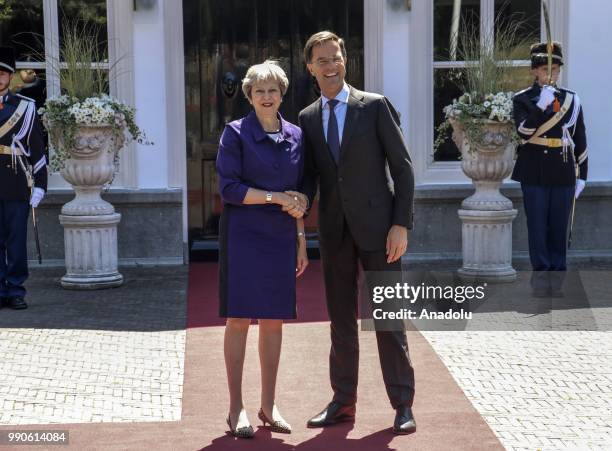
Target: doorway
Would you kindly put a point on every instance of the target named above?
(222, 39)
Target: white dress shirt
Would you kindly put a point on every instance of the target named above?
(339, 110)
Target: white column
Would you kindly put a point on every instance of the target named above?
(121, 58)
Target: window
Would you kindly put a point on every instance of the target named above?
(484, 16)
(22, 27)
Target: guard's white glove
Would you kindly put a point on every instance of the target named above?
(547, 96)
(37, 196)
(580, 184)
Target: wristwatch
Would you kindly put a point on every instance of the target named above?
(268, 197)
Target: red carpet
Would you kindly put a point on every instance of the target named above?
(446, 420)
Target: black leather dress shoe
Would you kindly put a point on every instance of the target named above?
(404, 421)
(16, 303)
(332, 414)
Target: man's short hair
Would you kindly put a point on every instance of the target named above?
(320, 38)
(267, 71)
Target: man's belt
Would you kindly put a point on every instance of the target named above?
(6, 150)
(546, 142)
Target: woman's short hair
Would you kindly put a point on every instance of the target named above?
(269, 70)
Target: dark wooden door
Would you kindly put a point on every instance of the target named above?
(223, 38)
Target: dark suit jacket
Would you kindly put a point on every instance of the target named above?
(358, 188)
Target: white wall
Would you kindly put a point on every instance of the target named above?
(588, 69)
(150, 97)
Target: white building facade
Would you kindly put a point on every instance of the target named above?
(400, 58)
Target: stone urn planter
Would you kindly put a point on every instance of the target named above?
(90, 223)
(487, 215)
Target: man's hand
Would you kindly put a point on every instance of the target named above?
(37, 196)
(397, 242)
(290, 204)
(301, 198)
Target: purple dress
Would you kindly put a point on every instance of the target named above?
(257, 243)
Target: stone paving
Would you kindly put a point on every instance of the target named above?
(536, 390)
(108, 356)
(118, 356)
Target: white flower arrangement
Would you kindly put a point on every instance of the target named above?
(472, 111)
(63, 115)
(495, 107)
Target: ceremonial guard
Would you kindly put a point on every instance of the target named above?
(23, 181)
(551, 164)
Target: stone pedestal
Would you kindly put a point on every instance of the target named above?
(90, 243)
(487, 245)
(90, 223)
(487, 215)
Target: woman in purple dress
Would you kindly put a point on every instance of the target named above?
(262, 244)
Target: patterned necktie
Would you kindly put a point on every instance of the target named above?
(333, 138)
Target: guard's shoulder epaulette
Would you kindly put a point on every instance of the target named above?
(26, 98)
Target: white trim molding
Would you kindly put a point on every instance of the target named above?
(121, 57)
(559, 23)
(176, 140)
(373, 18)
(52, 51)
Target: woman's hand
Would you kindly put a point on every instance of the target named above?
(302, 198)
(302, 257)
(290, 204)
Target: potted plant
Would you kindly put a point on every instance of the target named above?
(484, 132)
(87, 129)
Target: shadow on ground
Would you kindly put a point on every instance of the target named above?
(151, 299)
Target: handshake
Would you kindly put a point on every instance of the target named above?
(293, 202)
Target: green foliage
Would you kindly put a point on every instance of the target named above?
(90, 11)
(80, 75)
(489, 58)
(84, 100)
(6, 10)
(64, 115)
(486, 78)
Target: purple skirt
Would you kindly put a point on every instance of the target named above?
(257, 260)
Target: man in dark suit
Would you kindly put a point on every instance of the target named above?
(350, 137)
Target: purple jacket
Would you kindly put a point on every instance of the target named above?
(249, 158)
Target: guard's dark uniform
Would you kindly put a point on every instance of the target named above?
(552, 155)
(21, 146)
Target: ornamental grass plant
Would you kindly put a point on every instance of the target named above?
(84, 99)
(486, 77)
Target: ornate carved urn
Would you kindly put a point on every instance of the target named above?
(487, 215)
(90, 223)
